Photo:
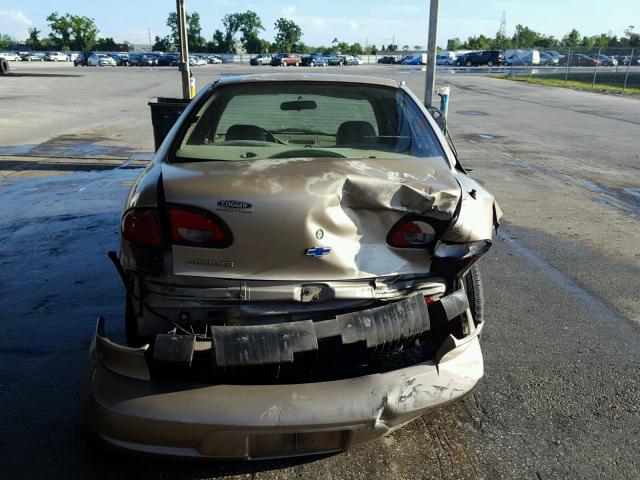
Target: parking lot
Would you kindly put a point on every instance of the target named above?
(561, 393)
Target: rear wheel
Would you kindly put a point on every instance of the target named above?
(475, 293)
(439, 332)
(4, 67)
(469, 64)
(490, 63)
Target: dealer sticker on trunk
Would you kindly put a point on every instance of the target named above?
(234, 206)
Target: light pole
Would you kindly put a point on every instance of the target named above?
(184, 51)
(431, 53)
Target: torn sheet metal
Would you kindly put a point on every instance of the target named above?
(348, 206)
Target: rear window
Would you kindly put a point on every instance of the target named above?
(307, 119)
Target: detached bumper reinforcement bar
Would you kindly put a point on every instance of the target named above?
(277, 343)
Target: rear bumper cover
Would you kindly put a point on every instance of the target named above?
(131, 412)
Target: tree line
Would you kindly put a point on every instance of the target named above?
(525, 37)
(242, 31)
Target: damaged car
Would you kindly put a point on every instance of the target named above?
(300, 270)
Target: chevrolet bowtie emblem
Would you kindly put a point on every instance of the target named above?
(317, 251)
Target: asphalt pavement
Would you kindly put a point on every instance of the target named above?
(561, 395)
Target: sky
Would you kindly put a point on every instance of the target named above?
(376, 22)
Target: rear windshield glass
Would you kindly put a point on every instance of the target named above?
(307, 119)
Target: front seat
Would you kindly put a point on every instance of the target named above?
(355, 133)
(246, 132)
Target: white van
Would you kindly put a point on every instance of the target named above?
(522, 57)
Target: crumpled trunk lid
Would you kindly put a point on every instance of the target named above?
(310, 219)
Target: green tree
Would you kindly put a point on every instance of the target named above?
(72, 31)
(195, 41)
(249, 24)
(106, 44)
(571, 39)
(288, 34)
(84, 31)
(33, 40)
(631, 39)
(478, 43)
(524, 37)
(163, 44)
(454, 44)
(343, 47)
(356, 49)
(60, 26)
(405, 48)
(501, 42)
(417, 47)
(5, 41)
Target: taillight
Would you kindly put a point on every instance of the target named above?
(198, 228)
(141, 227)
(411, 234)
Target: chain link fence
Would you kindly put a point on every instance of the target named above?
(598, 68)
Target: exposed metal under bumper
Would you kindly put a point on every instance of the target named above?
(270, 421)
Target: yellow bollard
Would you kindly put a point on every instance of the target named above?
(192, 87)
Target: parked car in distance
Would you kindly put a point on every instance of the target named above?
(101, 60)
(445, 58)
(357, 60)
(548, 60)
(55, 57)
(333, 59)
(389, 59)
(121, 59)
(169, 60)
(143, 59)
(605, 60)
(213, 59)
(314, 60)
(286, 60)
(359, 309)
(578, 60)
(417, 59)
(461, 59)
(10, 56)
(261, 59)
(348, 60)
(487, 58)
(33, 57)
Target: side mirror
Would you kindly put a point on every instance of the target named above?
(439, 117)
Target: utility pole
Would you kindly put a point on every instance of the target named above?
(184, 51)
(149, 33)
(431, 53)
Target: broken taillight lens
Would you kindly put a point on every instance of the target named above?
(411, 234)
(198, 228)
(141, 227)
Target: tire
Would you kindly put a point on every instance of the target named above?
(469, 64)
(475, 293)
(439, 332)
(457, 64)
(4, 67)
(340, 64)
(490, 63)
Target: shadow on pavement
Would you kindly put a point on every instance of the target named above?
(13, 74)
